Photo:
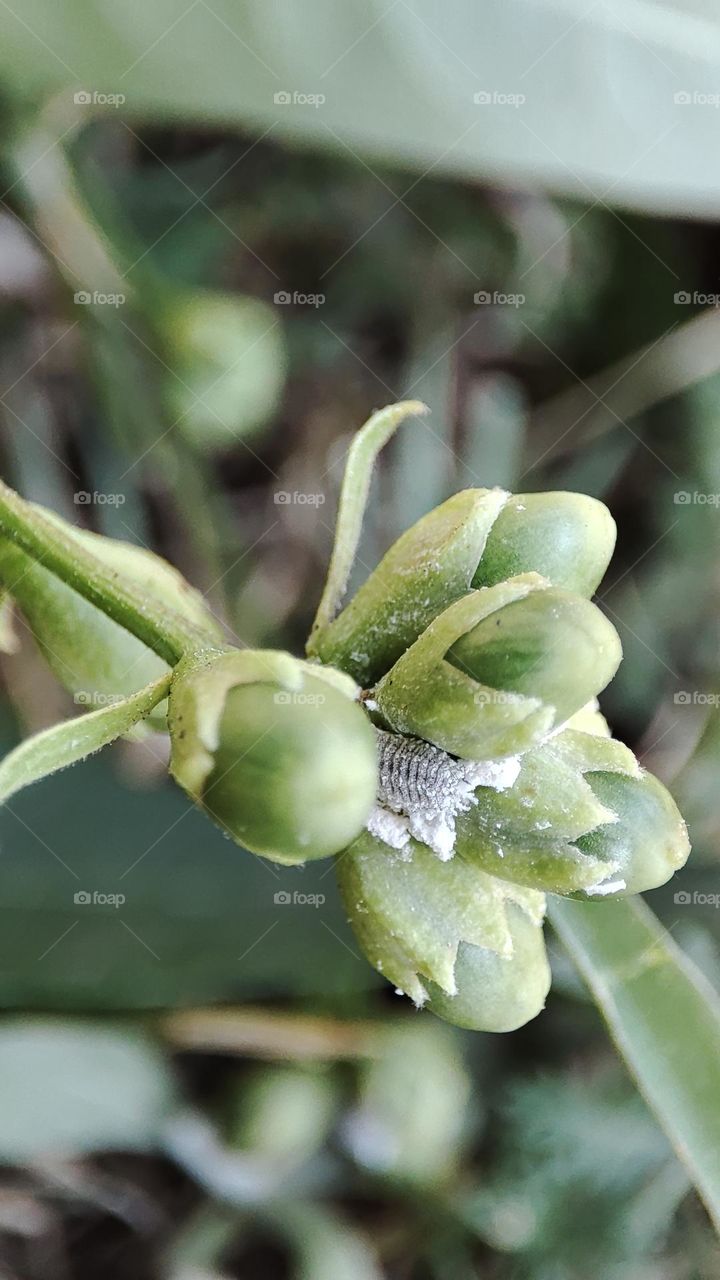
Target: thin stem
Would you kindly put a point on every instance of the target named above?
(353, 499)
(165, 631)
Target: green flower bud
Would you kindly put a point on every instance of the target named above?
(94, 658)
(646, 842)
(567, 537)
(476, 538)
(497, 993)
(275, 750)
(217, 396)
(499, 669)
(429, 926)
(581, 818)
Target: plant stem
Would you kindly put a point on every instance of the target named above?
(164, 630)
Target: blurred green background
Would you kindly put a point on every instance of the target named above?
(228, 232)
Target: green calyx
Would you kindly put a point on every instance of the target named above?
(500, 669)
(582, 818)
(275, 750)
(477, 538)
(425, 925)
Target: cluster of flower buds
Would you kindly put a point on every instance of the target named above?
(443, 736)
(499, 781)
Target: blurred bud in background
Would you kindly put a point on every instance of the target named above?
(228, 354)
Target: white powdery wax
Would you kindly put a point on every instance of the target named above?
(422, 790)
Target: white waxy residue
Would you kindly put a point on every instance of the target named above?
(423, 789)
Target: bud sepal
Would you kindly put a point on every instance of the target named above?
(499, 669)
(276, 750)
(419, 919)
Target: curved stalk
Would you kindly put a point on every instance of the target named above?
(162, 629)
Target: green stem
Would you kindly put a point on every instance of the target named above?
(166, 632)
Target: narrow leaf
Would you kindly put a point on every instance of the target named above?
(353, 499)
(73, 740)
(664, 1018)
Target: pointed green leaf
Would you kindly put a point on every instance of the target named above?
(664, 1018)
(67, 743)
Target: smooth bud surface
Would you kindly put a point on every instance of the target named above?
(569, 538)
(494, 992)
(500, 669)
(281, 757)
(646, 844)
(478, 538)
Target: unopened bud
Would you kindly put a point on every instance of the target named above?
(275, 750)
(500, 669)
(477, 538)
